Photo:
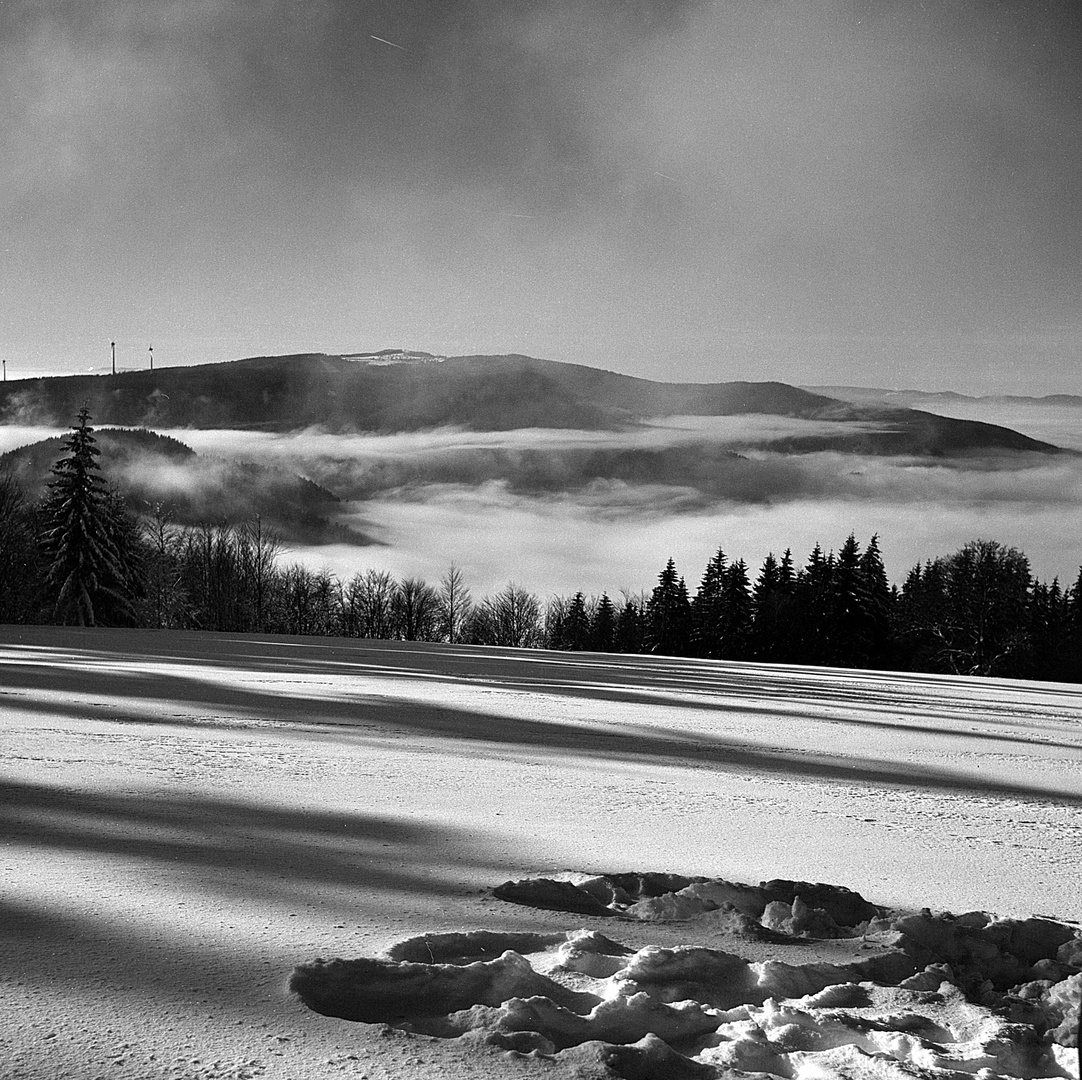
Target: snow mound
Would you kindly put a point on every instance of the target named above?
(388, 991)
(791, 908)
(924, 996)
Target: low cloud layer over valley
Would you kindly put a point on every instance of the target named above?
(428, 499)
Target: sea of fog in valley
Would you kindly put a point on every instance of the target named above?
(429, 498)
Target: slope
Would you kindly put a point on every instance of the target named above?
(185, 818)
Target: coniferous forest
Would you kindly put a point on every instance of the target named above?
(80, 556)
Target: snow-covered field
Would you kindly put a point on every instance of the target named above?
(185, 818)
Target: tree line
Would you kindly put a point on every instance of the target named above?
(79, 556)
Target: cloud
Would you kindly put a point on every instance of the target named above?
(599, 532)
(563, 546)
(430, 498)
(656, 433)
(12, 437)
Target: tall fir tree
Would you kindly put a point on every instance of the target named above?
(603, 627)
(1073, 629)
(786, 573)
(1051, 655)
(1074, 605)
(576, 625)
(847, 609)
(921, 607)
(811, 610)
(787, 633)
(880, 600)
(736, 621)
(630, 628)
(86, 581)
(707, 609)
(768, 598)
(668, 614)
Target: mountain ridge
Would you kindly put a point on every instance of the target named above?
(363, 393)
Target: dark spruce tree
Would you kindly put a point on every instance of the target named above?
(576, 624)
(812, 639)
(858, 607)
(668, 614)
(880, 600)
(86, 582)
(1049, 635)
(787, 636)
(603, 627)
(772, 610)
(920, 612)
(736, 619)
(707, 609)
(1073, 605)
(846, 608)
(630, 629)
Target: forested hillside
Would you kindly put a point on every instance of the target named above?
(158, 473)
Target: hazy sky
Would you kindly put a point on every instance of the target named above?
(877, 192)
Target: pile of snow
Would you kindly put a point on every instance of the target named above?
(792, 907)
(932, 995)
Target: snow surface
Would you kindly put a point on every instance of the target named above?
(185, 819)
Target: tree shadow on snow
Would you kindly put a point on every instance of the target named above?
(652, 681)
(275, 860)
(147, 696)
(243, 849)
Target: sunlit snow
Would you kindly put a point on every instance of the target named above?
(186, 818)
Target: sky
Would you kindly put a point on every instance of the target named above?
(848, 191)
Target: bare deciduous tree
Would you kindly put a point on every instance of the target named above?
(454, 604)
(165, 594)
(512, 617)
(372, 599)
(416, 610)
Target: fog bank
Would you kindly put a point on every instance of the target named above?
(610, 536)
(538, 507)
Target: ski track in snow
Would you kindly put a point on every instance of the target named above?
(186, 818)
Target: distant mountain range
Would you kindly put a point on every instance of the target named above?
(911, 399)
(401, 391)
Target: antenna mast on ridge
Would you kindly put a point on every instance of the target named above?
(151, 357)
(113, 344)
